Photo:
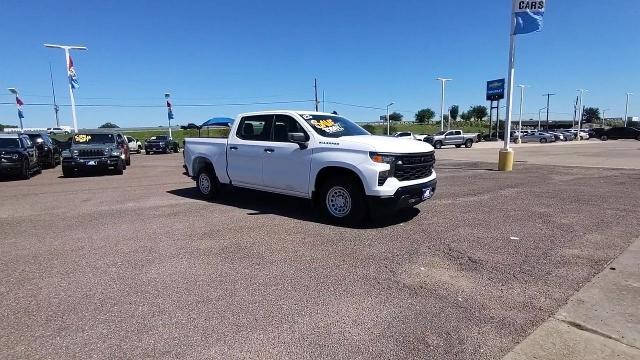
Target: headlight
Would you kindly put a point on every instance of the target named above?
(75, 152)
(116, 153)
(382, 159)
(161, 143)
(66, 153)
(15, 156)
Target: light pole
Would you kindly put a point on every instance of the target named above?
(603, 111)
(66, 49)
(169, 111)
(626, 109)
(388, 118)
(580, 110)
(520, 116)
(443, 81)
(14, 91)
(540, 117)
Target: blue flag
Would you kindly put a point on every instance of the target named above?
(20, 114)
(529, 16)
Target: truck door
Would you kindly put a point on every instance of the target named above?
(246, 149)
(286, 166)
(449, 138)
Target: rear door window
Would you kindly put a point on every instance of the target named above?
(255, 128)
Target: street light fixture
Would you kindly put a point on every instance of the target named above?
(540, 116)
(443, 81)
(626, 109)
(388, 118)
(580, 110)
(548, 95)
(66, 49)
(520, 116)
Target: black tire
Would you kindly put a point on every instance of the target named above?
(437, 144)
(342, 200)
(468, 143)
(68, 172)
(139, 151)
(147, 152)
(128, 161)
(176, 149)
(207, 183)
(543, 141)
(25, 174)
(458, 146)
(119, 170)
(604, 138)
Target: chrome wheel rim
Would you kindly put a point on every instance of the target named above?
(204, 183)
(338, 201)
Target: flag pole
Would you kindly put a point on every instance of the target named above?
(505, 157)
(73, 100)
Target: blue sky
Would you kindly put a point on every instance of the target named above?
(362, 52)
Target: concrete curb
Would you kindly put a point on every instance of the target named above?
(601, 321)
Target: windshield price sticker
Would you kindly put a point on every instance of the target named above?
(328, 126)
(80, 138)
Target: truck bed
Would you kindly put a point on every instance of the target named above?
(212, 149)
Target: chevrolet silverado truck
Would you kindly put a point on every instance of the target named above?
(451, 137)
(345, 170)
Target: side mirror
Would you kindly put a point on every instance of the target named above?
(300, 139)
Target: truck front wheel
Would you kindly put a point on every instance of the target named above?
(342, 200)
(437, 144)
(206, 183)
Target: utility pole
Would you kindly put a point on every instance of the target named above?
(520, 116)
(53, 90)
(388, 118)
(322, 100)
(549, 95)
(603, 111)
(315, 88)
(71, 75)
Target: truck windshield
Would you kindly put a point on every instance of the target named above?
(332, 126)
(160, 138)
(8, 143)
(92, 139)
(441, 133)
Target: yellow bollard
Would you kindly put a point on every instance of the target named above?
(505, 160)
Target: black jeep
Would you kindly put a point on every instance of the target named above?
(93, 151)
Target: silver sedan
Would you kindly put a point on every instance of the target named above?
(538, 137)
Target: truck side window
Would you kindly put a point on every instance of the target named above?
(255, 128)
(283, 125)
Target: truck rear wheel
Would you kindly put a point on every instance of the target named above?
(207, 183)
(342, 200)
(468, 143)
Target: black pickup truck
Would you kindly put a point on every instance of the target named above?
(161, 143)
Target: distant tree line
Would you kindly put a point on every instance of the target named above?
(4, 126)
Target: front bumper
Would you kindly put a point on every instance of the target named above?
(404, 197)
(156, 148)
(10, 167)
(92, 163)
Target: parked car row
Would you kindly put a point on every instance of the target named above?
(18, 156)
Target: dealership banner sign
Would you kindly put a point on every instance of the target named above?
(529, 16)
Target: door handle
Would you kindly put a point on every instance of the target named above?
(269, 150)
(233, 148)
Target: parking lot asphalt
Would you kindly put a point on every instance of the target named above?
(137, 266)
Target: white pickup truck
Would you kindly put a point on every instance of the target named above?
(347, 171)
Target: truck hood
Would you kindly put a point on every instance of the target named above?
(386, 144)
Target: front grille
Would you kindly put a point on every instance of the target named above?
(90, 153)
(414, 166)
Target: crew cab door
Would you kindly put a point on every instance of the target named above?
(246, 149)
(286, 166)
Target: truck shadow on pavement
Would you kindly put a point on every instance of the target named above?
(263, 203)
